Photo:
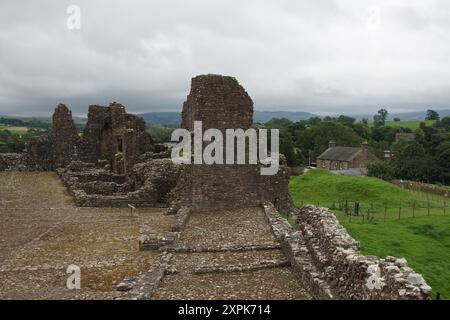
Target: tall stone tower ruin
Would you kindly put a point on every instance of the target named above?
(220, 102)
(57, 148)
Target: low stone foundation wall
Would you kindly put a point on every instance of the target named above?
(156, 242)
(350, 274)
(260, 265)
(16, 162)
(181, 219)
(146, 284)
(423, 187)
(92, 185)
(295, 249)
(327, 260)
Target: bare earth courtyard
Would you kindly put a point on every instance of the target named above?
(42, 232)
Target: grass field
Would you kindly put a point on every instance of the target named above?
(18, 130)
(411, 124)
(424, 240)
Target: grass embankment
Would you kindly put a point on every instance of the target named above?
(423, 239)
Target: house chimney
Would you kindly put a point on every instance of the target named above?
(364, 145)
(331, 144)
(364, 148)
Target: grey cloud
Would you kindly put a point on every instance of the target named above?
(323, 56)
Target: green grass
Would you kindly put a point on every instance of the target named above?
(423, 240)
(16, 130)
(411, 124)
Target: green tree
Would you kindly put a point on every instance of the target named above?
(443, 161)
(432, 115)
(380, 118)
(380, 169)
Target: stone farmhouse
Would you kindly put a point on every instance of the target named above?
(345, 158)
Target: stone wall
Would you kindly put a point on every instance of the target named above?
(350, 274)
(327, 260)
(58, 147)
(111, 135)
(153, 180)
(423, 187)
(114, 135)
(147, 185)
(220, 102)
(16, 162)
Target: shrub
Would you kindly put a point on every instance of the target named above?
(380, 169)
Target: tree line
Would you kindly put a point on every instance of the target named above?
(426, 158)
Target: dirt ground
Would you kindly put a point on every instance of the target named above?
(42, 233)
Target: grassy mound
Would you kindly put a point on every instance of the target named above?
(423, 238)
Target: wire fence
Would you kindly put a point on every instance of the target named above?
(371, 211)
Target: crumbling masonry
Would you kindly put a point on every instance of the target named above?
(222, 103)
(115, 163)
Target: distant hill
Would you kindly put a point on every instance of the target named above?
(264, 116)
(416, 115)
(164, 118)
(174, 118)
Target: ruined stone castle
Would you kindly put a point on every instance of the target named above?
(116, 163)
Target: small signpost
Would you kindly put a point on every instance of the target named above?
(132, 209)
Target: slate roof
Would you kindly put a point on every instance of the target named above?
(340, 153)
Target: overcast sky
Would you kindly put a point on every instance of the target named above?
(321, 56)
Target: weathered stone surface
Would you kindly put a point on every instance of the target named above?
(59, 147)
(225, 248)
(112, 136)
(154, 241)
(264, 264)
(181, 219)
(16, 162)
(112, 172)
(328, 262)
(350, 274)
(115, 135)
(146, 284)
(220, 102)
(153, 180)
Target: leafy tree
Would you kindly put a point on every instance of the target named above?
(443, 161)
(160, 133)
(380, 118)
(380, 169)
(432, 115)
(345, 120)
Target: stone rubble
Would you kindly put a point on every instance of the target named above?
(146, 284)
(181, 219)
(264, 264)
